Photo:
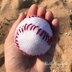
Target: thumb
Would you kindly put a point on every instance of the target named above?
(20, 18)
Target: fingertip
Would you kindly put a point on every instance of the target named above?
(34, 5)
(55, 23)
(21, 16)
(49, 16)
(41, 12)
(33, 10)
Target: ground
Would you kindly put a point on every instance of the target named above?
(9, 11)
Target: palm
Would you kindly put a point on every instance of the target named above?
(15, 61)
(21, 63)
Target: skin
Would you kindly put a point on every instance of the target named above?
(15, 61)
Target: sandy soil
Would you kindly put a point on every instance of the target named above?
(9, 11)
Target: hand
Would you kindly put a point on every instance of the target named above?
(15, 61)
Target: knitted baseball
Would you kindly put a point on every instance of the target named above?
(33, 36)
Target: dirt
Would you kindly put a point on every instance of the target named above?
(9, 11)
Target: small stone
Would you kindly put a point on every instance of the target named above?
(35, 1)
(54, 71)
(66, 33)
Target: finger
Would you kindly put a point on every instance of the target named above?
(41, 12)
(33, 10)
(55, 23)
(49, 16)
(20, 18)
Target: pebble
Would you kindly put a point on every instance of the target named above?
(54, 71)
(66, 33)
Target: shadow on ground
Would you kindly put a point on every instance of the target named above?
(1, 59)
(28, 3)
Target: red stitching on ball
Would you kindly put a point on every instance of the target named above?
(28, 26)
(19, 30)
(16, 36)
(29, 17)
(25, 27)
(17, 33)
(39, 30)
(33, 16)
(50, 40)
(22, 29)
(41, 33)
(35, 27)
(31, 27)
(16, 40)
(45, 36)
(17, 44)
